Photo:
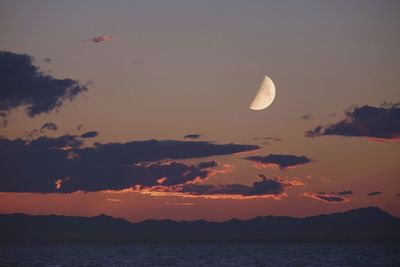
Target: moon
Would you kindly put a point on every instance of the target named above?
(265, 95)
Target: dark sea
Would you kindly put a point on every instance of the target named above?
(202, 255)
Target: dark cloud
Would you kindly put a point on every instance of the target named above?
(273, 138)
(49, 126)
(192, 136)
(345, 192)
(23, 84)
(32, 134)
(325, 197)
(375, 193)
(282, 161)
(267, 187)
(270, 140)
(111, 177)
(62, 164)
(264, 187)
(47, 60)
(100, 39)
(155, 150)
(208, 164)
(366, 121)
(65, 142)
(398, 194)
(90, 134)
(306, 117)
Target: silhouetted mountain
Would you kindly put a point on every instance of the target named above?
(364, 224)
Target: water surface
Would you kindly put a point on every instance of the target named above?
(202, 255)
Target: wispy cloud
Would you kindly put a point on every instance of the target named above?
(326, 197)
(100, 39)
(345, 192)
(49, 126)
(375, 193)
(192, 136)
(113, 199)
(274, 188)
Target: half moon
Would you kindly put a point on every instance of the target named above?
(265, 95)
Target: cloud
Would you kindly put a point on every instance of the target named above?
(100, 39)
(345, 192)
(266, 188)
(377, 123)
(281, 161)
(270, 140)
(113, 199)
(325, 197)
(64, 165)
(273, 139)
(65, 142)
(31, 134)
(263, 187)
(24, 85)
(47, 60)
(191, 136)
(90, 134)
(155, 150)
(49, 126)
(208, 164)
(306, 117)
(111, 177)
(3, 120)
(376, 193)
(180, 203)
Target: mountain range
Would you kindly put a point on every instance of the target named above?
(358, 225)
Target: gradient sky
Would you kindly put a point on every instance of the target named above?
(192, 67)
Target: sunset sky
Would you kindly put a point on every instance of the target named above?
(140, 109)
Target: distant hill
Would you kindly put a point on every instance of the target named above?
(364, 224)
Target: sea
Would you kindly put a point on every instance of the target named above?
(316, 254)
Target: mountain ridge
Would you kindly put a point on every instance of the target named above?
(362, 224)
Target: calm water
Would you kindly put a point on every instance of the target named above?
(202, 255)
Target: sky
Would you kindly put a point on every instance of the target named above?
(140, 109)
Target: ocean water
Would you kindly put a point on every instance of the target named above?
(202, 255)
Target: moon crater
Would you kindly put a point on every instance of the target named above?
(265, 95)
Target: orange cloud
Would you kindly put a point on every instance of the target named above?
(113, 199)
(180, 203)
(59, 182)
(273, 188)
